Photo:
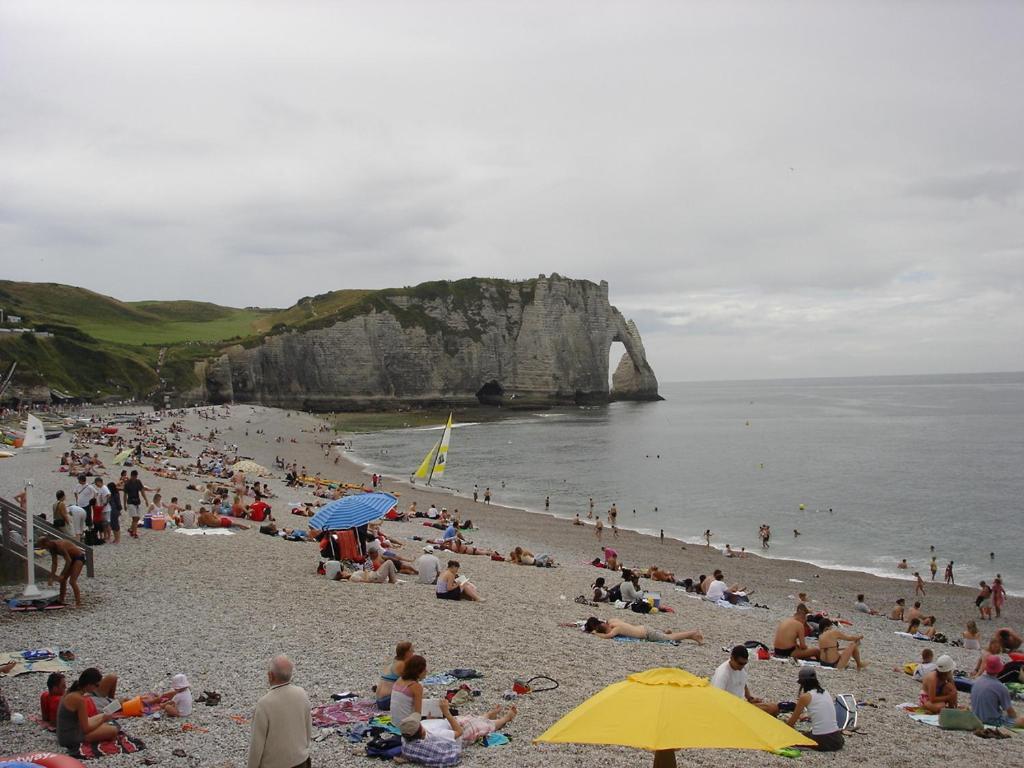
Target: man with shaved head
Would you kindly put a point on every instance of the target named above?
(282, 726)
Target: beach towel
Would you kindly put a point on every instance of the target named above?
(621, 639)
(122, 745)
(913, 637)
(439, 680)
(344, 712)
(204, 531)
(915, 712)
(22, 666)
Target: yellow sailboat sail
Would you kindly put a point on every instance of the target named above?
(436, 460)
(428, 463)
(442, 450)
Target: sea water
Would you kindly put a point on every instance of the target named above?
(868, 470)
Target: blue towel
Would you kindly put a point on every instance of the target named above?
(495, 739)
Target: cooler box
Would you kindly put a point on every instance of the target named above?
(158, 523)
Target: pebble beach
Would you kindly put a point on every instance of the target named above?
(218, 607)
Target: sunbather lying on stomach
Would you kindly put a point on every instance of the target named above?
(613, 628)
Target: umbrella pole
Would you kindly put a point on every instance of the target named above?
(665, 758)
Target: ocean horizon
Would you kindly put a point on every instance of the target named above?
(869, 470)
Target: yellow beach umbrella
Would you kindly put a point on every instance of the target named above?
(250, 468)
(119, 459)
(665, 709)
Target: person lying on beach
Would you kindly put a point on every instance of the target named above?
(521, 556)
(451, 586)
(789, 637)
(379, 557)
(74, 561)
(657, 574)
(441, 741)
(829, 652)
(212, 520)
(937, 688)
(462, 548)
(599, 594)
(896, 614)
(386, 573)
(392, 672)
(731, 676)
(608, 630)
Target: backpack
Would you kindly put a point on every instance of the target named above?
(846, 712)
(640, 606)
(384, 747)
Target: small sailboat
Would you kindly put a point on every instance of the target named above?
(433, 464)
(35, 435)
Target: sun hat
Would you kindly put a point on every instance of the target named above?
(429, 548)
(944, 663)
(806, 673)
(179, 682)
(993, 665)
(410, 726)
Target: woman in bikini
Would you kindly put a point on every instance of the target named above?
(391, 674)
(74, 561)
(829, 652)
(608, 630)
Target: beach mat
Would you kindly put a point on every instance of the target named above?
(344, 712)
(914, 712)
(22, 667)
(122, 745)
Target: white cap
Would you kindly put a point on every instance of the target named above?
(428, 548)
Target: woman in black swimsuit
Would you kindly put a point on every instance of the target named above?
(74, 561)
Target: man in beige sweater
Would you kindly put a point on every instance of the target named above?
(282, 726)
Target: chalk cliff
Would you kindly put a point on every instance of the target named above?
(536, 342)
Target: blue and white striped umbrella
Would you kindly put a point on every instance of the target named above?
(352, 511)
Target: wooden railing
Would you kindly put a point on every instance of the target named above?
(12, 518)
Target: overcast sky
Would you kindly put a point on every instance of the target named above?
(771, 189)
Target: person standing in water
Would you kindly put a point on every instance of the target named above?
(949, 573)
(933, 566)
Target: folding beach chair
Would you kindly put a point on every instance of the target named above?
(846, 712)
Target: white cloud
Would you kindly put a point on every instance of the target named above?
(829, 186)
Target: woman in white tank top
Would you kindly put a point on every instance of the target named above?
(821, 708)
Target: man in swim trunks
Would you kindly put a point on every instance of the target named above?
(74, 561)
(607, 630)
(211, 520)
(789, 637)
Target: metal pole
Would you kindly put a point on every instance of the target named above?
(31, 590)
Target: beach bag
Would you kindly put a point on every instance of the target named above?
(640, 606)
(464, 674)
(384, 747)
(530, 686)
(958, 720)
(846, 712)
